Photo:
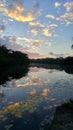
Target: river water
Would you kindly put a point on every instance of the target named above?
(29, 102)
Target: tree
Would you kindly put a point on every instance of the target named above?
(72, 46)
(9, 57)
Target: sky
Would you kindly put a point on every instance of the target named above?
(39, 28)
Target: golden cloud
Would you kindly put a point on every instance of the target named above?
(46, 32)
(57, 4)
(53, 25)
(34, 31)
(36, 24)
(24, 39)
(34, 43)
(1, 5)
(17, 12)
(50, 16)
(29, 40)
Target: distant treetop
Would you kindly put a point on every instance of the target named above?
(72, 46)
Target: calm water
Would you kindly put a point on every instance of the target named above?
(29, 102)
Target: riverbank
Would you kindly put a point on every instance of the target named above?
(63, 118)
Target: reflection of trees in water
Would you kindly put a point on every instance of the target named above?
(7, 74)
(68, 69)
(12, 73)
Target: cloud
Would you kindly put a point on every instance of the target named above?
(1, 5)
(36, 45)
(68, 6)
(53, 25)
(57, 4)
(36, 24)
(11, 43)
(34, 31)
(16, 12)
(36, 55)
(1, 8)
(48, 43)
(36, 8)
(66, 18)
(31, 44)
(2, 28)
(29, 40)
(58, 55)
(50, 16)
(46, 32)
(24, 39)
(71, 54)
(39, 28)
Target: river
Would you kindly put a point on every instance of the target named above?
(29, 101)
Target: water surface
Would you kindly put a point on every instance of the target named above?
(28, 102)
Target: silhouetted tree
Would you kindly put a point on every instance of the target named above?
(72, 46)
(9, 57)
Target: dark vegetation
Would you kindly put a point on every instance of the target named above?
(68, 104)
(63, 118)
(72, 46)
(12, 58)
(15, 72)
(67, 68)
(13, 64)
(57, 61)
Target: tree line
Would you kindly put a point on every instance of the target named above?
(9, 57)
(57, 61)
